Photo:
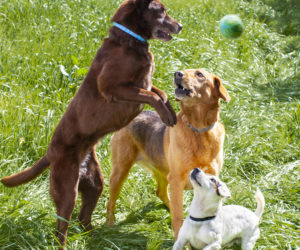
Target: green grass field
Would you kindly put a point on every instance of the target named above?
(46, 48)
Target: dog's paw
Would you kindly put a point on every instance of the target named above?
(168, 104)
(166, 115)
(168, 119)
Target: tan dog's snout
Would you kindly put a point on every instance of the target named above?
(178, 77)
(181, 90)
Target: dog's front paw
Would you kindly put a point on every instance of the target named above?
(168, 118)
(168, 104)
(165, 114)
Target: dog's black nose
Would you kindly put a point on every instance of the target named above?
(195, 171)
(179, 27)
(178, 74)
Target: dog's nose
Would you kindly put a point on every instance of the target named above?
(196, 171)
(178, 74)
(179, 27)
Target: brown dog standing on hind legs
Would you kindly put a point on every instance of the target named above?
(171, 153)
(113, 92)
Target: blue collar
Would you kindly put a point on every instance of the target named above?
(129, 32)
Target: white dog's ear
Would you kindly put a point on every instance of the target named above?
(223, 190)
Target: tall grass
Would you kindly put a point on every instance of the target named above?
(46, 48)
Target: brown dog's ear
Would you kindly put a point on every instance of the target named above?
(125, 10)
(222, 92)
(143, 3)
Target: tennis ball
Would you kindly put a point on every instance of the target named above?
(231, 26)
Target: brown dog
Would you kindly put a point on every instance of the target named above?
(113, 92)
(171, 153)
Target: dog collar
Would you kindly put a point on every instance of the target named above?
(202, 129)
(202, 219)
(129, 32)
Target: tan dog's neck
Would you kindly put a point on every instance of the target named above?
(200, 115)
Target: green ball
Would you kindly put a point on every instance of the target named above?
(231, 26)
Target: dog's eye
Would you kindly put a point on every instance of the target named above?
(213, 180)
(199, 74)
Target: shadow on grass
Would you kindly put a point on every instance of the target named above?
(131, 233)
(116, 237)
(135, 216)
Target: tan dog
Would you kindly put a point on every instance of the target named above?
(171, 153)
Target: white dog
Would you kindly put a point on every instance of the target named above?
(211, 225)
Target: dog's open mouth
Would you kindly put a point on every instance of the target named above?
(163, 35)
(181, 91)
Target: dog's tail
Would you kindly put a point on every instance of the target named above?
(28, 174)
(260, 203)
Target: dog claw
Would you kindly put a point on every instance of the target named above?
(170, 122)
(168, 115)
(171, 110)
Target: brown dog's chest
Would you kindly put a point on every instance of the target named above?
(143, 76)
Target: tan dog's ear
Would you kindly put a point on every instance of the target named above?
(222, 92)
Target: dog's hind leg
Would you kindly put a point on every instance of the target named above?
(162, 188)
(124, 154)
(90, 186)
(64, 177)
(248, 241)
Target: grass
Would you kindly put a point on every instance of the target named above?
(46, 48)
